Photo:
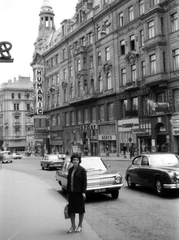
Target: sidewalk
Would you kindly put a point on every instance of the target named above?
(33, 210)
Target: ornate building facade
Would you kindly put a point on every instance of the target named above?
(109, 77)
(16, 126)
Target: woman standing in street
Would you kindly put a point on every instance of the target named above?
(76, 189)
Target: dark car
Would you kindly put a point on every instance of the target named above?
(155, 170)
(100, 179)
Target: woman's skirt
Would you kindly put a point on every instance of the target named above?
(76, 202)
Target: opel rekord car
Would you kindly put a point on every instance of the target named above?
(159, 171)
(16, 156)
(100, 179)
(51, 161)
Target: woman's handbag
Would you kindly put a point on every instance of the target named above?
(66, 212)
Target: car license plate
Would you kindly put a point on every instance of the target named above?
(100, 190)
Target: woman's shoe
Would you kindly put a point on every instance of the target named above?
(78, 229)
(71, 230)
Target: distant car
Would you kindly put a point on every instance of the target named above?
(100, 179)
(61, 156)
(16, 156)
(155, 170)
(6, 156)
(51, 161)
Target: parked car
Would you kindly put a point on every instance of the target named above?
(100, 179)
(62, 155)
(6, 156)
(16, 156)
(51, 161)
(155, 170)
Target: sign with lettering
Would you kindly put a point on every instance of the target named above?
(88, 127)
(39, 91)
(176, 131)
(128, 125)
(5, 55)
(106, 137)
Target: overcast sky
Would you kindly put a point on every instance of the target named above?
(19, 22)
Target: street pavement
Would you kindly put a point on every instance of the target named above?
(30, 209)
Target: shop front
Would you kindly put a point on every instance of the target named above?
(56, 141)
(175, 133)
(107, 145)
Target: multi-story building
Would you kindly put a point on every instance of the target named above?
(108, 76)
(16, 126)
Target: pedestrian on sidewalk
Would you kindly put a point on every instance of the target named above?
(76, 192)
(124, 150)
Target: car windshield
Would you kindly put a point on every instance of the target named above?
(163, 160)
(91, 164)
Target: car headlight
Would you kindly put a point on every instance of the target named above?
(174, 175)
(118, 179)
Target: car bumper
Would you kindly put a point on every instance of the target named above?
(171, 186)
(104, 188)
(55, 165)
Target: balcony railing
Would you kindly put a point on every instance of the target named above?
(85, 97)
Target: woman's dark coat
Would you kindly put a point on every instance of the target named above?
(80, 180)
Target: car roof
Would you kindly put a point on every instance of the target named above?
(158, 153)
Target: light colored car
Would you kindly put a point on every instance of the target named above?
(155, 170)
(16, 156)
(100, 179)
(51, 161)
(7, 156)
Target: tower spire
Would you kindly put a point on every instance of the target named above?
(46, 26)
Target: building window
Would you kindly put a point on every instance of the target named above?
(122, 46)
(16, 106)
(19, 96)
(53, 81)
(70, 50)
(162, 97)
(71, 71)
(99, 58)
(107, 53)
(58, 78)
(131, 13)
(174, 22)
(121, 19)
(64, 74)
(151, 29)
(12, 95)
(124, 108)
(79, 116)
(176, 59)
(98, 33)
(90, 38)
(64, 54)
(132, 42)
(100, 83)
(156, 2)
(58, 119)
(86, 120)
(78, 65)
(16, 119)
(135, 104)
(67, 122)
(65, 95)
(73, 118)
(101, 113)
(142, 37)
(53, 120)
(176, 100)
(83, 41)
(110, 111)
(123, 76)
(56, 59)
(143, 68)
(28, 107)
(91, 62)
(109, 82)
(93, 114)
(152, 64)
(107, 26)
(133, 73)
(141, 7)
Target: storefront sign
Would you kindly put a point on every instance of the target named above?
(88, 127)
(128, 125)
(140, 92)
(106, 137)
(176, 131)
(39, 91)
(175, 121)
(57, 135)
(157, 107)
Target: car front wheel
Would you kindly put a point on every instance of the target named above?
(129, 182)
(159, 187)
(115, 194)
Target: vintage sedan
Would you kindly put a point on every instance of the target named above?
(16, 156)
(100, 179)
(51, 161)
(155, 170)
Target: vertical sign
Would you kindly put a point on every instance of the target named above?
(39, 92)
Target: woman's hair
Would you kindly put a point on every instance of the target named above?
(75, 155)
